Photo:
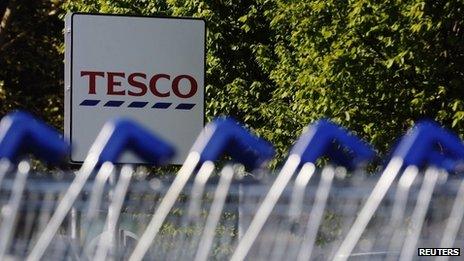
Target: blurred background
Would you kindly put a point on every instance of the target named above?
(373, 66)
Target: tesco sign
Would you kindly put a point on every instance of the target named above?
(139, 84)
(150, 69)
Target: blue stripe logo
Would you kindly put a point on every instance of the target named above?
(162, 105)
(185, 106)
(89, 102)
(139, 104)
(113, 103)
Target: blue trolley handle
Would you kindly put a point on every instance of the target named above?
(323, 138)
(116, 137)
(417, 148)
(223, 136)
(22, 134)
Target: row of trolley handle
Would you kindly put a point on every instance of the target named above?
(425, 145)
(222, 136)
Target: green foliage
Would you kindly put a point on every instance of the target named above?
(31, 74)
(373, 66)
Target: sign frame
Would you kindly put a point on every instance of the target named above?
(68, 73)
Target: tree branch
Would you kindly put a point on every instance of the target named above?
(6, 20)
(8, 44)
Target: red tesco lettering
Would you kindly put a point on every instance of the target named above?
(137, 83)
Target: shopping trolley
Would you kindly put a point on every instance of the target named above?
(21, 135)
(225, 204)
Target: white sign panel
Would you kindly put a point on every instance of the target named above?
(145, 68)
